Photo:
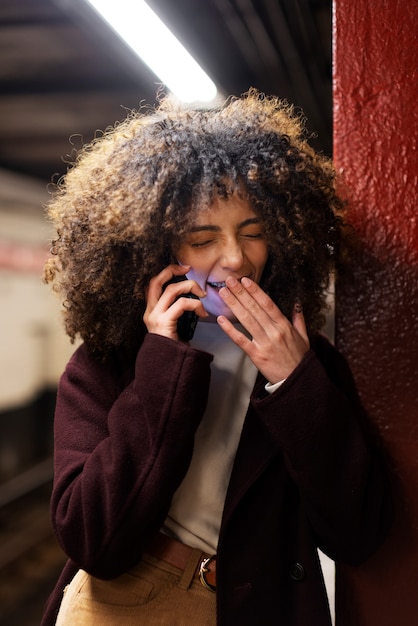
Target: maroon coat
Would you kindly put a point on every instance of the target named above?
(303, 477)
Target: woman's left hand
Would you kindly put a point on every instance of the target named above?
(276, 346)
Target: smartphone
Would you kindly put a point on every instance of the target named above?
(186, 324)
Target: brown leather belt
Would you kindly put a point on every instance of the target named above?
(178, 554)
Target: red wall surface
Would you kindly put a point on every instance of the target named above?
(376, 134)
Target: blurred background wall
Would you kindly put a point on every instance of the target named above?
(34, 348)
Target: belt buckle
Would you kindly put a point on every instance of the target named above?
(203, 570)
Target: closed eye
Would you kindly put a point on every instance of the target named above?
(253, 235)
(201, 244)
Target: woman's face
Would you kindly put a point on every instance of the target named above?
(226, 239)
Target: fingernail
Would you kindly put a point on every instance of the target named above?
(245, 281)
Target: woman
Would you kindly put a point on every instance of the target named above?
(195, 478)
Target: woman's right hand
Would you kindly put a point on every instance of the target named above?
(165, 306)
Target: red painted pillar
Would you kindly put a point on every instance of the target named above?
(376, 135)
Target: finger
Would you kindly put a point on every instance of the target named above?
(187, 304)
(245, 313)
(298, 321)
(156, 283)
(255, 303)
(243, 299)
(186, 287)
(168, 287)
(235, 335)
(163, 318)
(264, 302)
(170, 284)
(171, 273)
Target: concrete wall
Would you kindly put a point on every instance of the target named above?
(376, 130)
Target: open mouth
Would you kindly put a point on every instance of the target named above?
(216, 285)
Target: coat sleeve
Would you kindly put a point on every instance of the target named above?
(318, 422)
(120, 453)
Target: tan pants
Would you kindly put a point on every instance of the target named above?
(153, 593)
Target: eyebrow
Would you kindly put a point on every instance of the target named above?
(217, 229)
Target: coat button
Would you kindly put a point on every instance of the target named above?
(297, 572)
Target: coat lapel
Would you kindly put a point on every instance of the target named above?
(255, 451)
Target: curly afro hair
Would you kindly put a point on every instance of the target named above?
(131, 193)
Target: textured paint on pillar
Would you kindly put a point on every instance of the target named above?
(375, 147)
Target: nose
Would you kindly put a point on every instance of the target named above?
(233, 256)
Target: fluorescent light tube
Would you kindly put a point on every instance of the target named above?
(150, 38)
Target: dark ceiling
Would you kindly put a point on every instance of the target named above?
(64, 74)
